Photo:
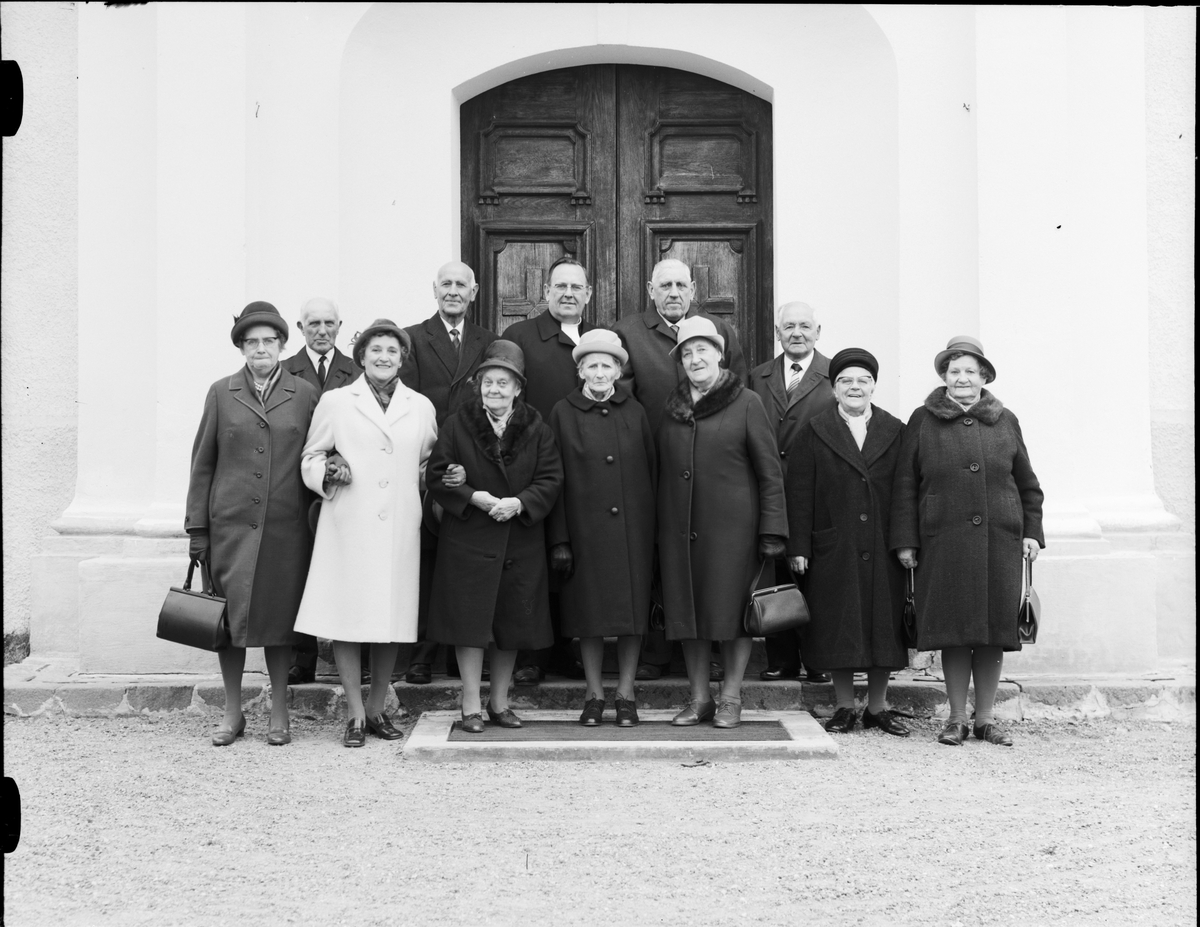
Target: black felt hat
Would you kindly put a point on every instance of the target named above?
(506, 354)
(853, 357)
(258, 313)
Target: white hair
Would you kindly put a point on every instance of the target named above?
(314, 299)
(779, 311)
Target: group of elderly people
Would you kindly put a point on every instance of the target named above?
(500, 496)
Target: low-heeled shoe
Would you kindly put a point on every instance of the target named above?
(506, 718)
(473, 724)
(224, 736)
(953, 734)
(649, 671)
(695, 713)
(593, 712)
(813, 675)
(300, 676)
(381, 726)
(529, 676)
(992, 734)
(886, 722)
(356, 733)
(842, 722)
(728, 714)
(776, 673)
(418, 674)
(279, 736)
(627, 715)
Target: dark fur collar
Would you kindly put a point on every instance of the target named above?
(679, 403)
(521, 428)
(987, 409)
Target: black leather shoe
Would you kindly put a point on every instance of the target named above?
(381, 726)
(842, 722)
(529, 676)
(886, 722)
(419, 674)
(300, 676)
(776, 673)
(716, 672)
(593, 712)
(992, 734)
(506, 718)
(356, 733)
(473, 724)
(627, 715)
(953, 734)
(649, 671)
(812, 675)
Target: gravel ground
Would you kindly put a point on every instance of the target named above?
(140, 821)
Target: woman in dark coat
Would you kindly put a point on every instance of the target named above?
(966, 500)
(839, 496)
(720, 509)
(247, 509)
(601, 532)
(490, 586)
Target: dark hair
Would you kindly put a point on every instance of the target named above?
(568, 261)
(985, 369)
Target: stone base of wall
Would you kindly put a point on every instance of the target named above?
(16, 646)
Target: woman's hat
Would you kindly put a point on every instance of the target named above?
(962, 344)
(381, 327)
(600, 341)
(853, 357)
(698, 327)
(506, 354)
(258, 313)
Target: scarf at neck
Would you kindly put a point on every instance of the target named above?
(499, 423)
(857, 424)
(263, 390)
(383, 394)
(598, 397)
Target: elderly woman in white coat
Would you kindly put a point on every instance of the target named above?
(363, 582)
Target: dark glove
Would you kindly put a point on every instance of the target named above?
(771, 546)
(198, 547)
(561, 558)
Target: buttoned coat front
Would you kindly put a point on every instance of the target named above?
(839, 507)
(365, 566)
(340, 370)
(550, 373)
(605, 512)
(652, 372)
(438, 372)
(490, 584)
(789, 414)
(965, 495)
(245, 491)
(719, 487)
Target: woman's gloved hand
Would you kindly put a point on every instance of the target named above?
(561, 558)
(771, 546)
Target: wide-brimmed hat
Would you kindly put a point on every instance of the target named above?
(963, 344)
(600, 341)
(258, 313)
(506, 354)
(381, 327)
(853, 357)
(698, 327)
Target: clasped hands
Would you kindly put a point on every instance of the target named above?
(337, 471)
(499, 509)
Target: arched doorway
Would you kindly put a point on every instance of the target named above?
(621, 166)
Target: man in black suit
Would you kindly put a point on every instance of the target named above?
(547, 341)
(652, 373)
(446, 350)
(325, 367)
(793, 387)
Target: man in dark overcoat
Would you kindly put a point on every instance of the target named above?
(652, 372)
(320, 364)
(794, 387)
(547, 341)
(446, 349)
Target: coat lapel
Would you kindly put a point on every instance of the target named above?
(439, 340)
(368, 405)
(283, 392)
(775, 383)
(472, 347)
(829, 427)
(242, 393)
(882, 430)
(817, 371)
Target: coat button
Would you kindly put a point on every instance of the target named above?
(862, 517)
(256, 500)
(687, 474)
(258, 475)
(608, 459)
(387, 450)
(974, 468)
(977, 520)
(866, 556)
(383, 516)
(604, 411)
(383, 484)
(262, 424)
(968, 421)
(614, 510)
(507, 564)
(262, 450)
(692, 536)
(783, 453)
(253, 524)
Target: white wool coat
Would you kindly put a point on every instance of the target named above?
(364, 580)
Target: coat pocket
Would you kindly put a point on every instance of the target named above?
(929, 515)
(824, 541)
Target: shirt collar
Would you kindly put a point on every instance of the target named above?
(316, 358)
(449, 327)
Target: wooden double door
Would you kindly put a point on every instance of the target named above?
(619, 166)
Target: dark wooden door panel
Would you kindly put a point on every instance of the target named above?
(515, 258)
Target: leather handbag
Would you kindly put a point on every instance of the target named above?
(908, 622)
(1030, 614)
(196, 619)
(774, 609)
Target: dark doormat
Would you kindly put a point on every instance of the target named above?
(647, 730)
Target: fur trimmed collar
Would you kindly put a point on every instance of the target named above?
(679, 403)
(521, 428)
(987, 408)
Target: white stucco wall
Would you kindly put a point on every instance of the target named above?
(39, 352)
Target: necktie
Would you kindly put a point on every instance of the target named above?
(455, 341)
(321, 370)
(794, 380)
(674, 329)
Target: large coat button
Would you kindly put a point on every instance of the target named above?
(974, 468)
(862, 517)
(262, 450)
(614, 510)
(262, 424)
(692, 536)
(507, 564)
(687, 474)
(968, 421)
(604, 411)
(383, 516)
(977, 520)
(866, 556)
(258, 475)
(608, 459)
(383, 484)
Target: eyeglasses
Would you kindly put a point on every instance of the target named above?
(861, 382)
(569, 287)
(255, 342)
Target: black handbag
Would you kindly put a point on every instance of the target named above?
(774, 609)
(196, 619)
(908, 622)
(1030, 614)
